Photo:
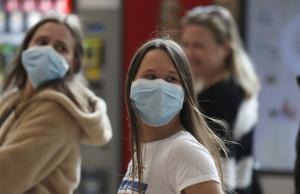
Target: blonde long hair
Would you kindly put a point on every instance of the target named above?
(221, 23)
(190, 116)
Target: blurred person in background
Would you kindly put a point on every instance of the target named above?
(226, 86)
(47, 111)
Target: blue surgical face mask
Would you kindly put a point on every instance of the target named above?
(43, 63)
(156, 101)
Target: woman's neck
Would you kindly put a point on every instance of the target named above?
(208, 81)
(28, 89)
(150, 133)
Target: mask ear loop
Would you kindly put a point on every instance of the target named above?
(136, 114)
(183, 85)
(138, 119)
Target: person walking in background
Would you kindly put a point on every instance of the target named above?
(226, 86)
(46, 111)
(173, 150)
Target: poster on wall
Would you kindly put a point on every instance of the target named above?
(273, 44)
(93, 57)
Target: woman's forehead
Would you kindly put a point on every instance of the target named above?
(55, 31)
(158, 59)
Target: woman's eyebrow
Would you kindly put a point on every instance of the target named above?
(174, 73)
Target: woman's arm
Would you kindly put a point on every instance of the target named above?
(208, 187)
(191, 168)
(37, 144)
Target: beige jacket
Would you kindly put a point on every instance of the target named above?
(39, 141)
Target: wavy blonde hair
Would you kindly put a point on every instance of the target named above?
(221, 23)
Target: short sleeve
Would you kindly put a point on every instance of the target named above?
(190, 163)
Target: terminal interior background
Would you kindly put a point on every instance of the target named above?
(114, 29)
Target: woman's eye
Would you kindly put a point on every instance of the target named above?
(172, 79)
(41, 42)
(60, 48)
(150, 77)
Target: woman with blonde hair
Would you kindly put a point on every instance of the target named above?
(47, 111)
(226, 86)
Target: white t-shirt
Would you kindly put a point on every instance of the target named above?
(171, 165)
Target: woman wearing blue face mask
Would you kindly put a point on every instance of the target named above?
(173, 150)
(46, 112)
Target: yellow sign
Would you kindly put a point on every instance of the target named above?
(93, 58)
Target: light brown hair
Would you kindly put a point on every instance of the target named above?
(190, 116)
(17, 76)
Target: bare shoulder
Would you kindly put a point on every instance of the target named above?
(210, 187)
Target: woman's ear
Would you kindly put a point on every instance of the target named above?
(227, 48)
(74, 66)
(224, 50)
